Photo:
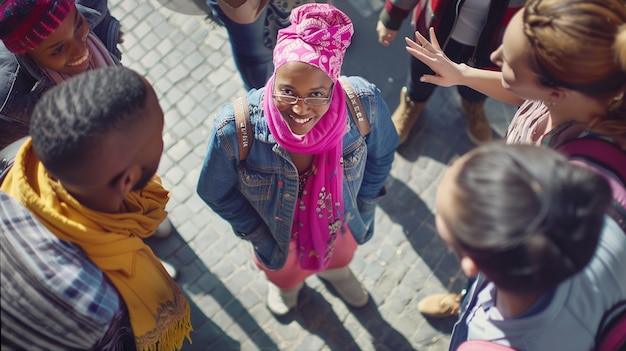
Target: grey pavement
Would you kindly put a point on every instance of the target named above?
(188, 60)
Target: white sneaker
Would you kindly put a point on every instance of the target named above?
(281, 301)
(171, 270)
(347, 286)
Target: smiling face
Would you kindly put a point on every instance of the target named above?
(65, 49)
(301, 80)
(513, 57)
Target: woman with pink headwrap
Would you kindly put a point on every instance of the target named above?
(305, 195)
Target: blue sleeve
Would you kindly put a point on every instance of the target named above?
(219, 179)
(382, 142)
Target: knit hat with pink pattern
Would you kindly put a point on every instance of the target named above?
(24, 24)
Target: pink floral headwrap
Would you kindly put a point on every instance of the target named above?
(319, 35)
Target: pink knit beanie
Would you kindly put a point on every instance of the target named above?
(319, 35)
(24, 24)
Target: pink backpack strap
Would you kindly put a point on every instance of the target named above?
(483, 345)
(607, 154)
(607, 159)
(611, 335)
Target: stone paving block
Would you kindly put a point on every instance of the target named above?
(190, 274)
(179, 150)
(178, 72)
(182, 127)
(224, 268)
(449, 265)
(311, 342)
(150, 59)
(160, 28)
(135, 51)
(123, 7)
(180, 194)
(141, 29)
(191, 163)
(150, 40)
(164, 46)
(218, 77)
(156, 71)
(193, 59)
(173, 175)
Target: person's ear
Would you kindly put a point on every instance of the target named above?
(558, 95)
(469, 267)
(126, 182)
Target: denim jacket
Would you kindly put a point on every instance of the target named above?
(23, 82)
(258, 196)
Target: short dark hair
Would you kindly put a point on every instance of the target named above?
(529, 219)
(71, 119)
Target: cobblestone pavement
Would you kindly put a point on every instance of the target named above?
(188, 60)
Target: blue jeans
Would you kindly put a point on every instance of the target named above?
(252, 57)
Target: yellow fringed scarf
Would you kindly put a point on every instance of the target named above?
(159, 312)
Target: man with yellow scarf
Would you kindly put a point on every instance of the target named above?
(88, 174)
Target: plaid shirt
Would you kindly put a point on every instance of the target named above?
(52, 296)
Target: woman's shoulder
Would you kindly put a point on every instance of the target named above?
(8, 62)
(361, 86)
(9, 66)
(17, 81)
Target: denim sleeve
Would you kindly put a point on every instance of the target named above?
(382, 142)
(219, 178)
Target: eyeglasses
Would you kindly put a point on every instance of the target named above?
(313, 101)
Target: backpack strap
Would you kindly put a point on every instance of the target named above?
(603, 152)
(356, 108)
(609, 160)
(611, 334)
(244, 128)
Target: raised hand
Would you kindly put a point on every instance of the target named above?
(447, 72)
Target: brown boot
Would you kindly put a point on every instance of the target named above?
(440, 305)
(405, 116)
(478, 127)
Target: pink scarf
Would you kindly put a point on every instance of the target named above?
(100, 57)
(319, 212)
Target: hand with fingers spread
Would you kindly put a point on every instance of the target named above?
(447, 72)
(385, 35)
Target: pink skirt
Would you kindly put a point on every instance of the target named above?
(291, 274)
